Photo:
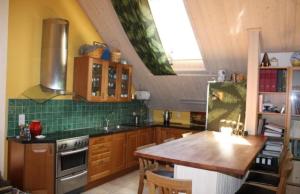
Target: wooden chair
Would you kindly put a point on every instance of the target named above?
(150, 165)
(166, 185)
(186, 134)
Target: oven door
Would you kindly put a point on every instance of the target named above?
(68, 184)
(71, 161)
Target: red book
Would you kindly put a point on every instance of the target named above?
(262, 80)
(273, 80)
(268, 80)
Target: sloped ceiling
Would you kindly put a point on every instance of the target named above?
(220, 27)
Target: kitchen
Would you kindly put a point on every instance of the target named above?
(89, 112)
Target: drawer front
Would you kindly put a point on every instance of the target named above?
(99, 175)
(100, 156)
(100, 148)
(97, 140)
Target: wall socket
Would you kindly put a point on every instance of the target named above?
(21, 119)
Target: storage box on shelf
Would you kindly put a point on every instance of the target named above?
(99, 80)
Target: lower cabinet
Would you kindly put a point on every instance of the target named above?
(111, 154)
(31, 167)
(118, 152)
(166, 133)
(132, 143)
(146, 136)
(100, 157)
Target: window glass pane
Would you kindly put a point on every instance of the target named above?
(175, 29)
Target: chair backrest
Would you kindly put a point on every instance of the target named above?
(146, 164)
(166, 185)
(286, 168)
(169, 139)
(186, 134)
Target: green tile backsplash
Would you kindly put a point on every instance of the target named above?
(59, 115)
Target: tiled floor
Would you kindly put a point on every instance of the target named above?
(127, 184)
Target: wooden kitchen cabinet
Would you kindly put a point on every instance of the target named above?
(146, 136)
(132, 138)
(118, 152)
(31, 167)
(99, 80)
(166, 133)
(100, 157)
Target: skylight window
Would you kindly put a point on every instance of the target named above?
(177, 36)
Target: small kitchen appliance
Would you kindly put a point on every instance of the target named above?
(167, 117)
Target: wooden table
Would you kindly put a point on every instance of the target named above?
(215, 162)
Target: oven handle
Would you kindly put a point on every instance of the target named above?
(75, 176)
(73, 152)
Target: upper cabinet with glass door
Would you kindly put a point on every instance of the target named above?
(98, 80)
(124, 93)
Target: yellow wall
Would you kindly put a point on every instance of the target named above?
(177, 117)
(24, 40)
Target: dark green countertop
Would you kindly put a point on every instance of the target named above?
(97, 131)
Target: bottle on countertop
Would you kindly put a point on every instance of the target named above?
(27, 134)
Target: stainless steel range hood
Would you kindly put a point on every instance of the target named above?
(54, 57)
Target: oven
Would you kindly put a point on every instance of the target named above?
(71, 164)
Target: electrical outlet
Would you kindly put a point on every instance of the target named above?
(21, 119)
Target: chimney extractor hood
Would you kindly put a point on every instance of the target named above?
(54, 55)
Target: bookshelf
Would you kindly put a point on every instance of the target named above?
(293, 136)
(273, 111)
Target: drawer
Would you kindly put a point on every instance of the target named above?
(97, 140)
(100, 148)
(100, 156)
(100, 162)
(99, 175)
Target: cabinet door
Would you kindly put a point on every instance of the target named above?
(98, 69)
(146, 136)
(164, 134)
(158, 137)
(100, 157)
(125, 76)
(132, 139)
(39, 168)
(118, 152)
(90, 78)
(112, 83)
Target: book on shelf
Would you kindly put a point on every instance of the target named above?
(274, 127)
(277, 142)
(260, 103)
(272, 134)
(272, 80)
(261, 123)
(271, 153)
(273, 148)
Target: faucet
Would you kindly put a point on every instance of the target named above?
(107, 124)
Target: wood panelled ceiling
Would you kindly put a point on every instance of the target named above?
(221, 29)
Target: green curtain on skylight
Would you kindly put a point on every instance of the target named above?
(138, 23)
